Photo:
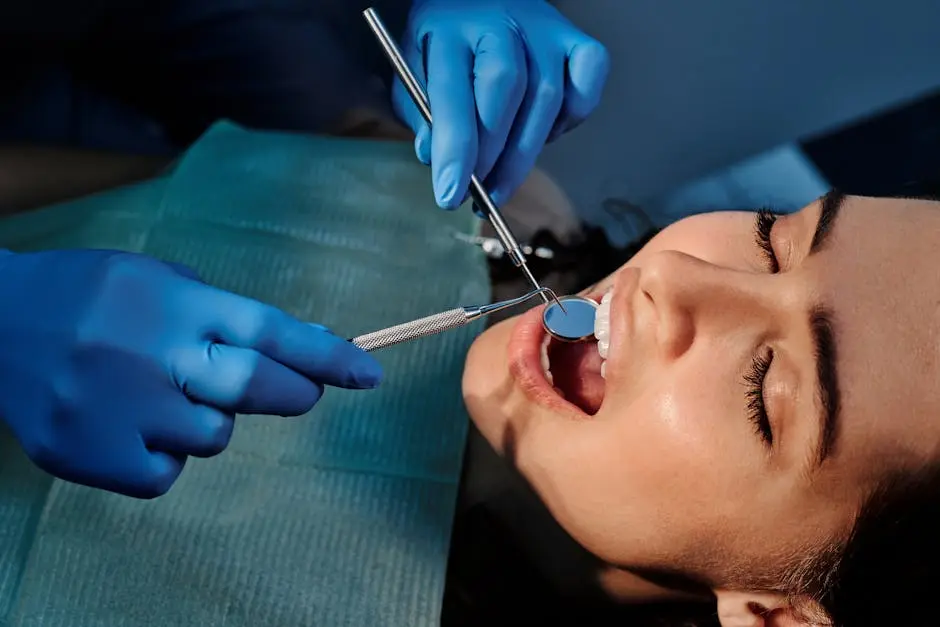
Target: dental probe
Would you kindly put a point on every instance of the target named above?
(438, 323)
(480, 197)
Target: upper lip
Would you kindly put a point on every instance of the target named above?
(525, 364)
(621, 324)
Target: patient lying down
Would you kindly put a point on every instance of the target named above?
(761, 415)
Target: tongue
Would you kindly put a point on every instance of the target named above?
(576, 371)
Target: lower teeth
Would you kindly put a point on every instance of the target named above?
(544, 359)
(548, 373)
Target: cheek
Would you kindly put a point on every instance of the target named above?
(685, 413)
(655, 477)
(676, 434)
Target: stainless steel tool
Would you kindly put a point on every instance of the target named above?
(438, 323)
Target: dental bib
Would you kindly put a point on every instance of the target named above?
(340, 517)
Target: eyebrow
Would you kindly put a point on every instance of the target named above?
(824, 345)
(827, 382)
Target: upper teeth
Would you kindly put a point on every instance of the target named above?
(602, 325)
(601, 332)
(602, 329)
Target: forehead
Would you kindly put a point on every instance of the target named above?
(880, 275)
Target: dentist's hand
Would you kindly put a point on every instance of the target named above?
(115, 367)
(504, 77)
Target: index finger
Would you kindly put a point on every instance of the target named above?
(454, 111)
(308, 349)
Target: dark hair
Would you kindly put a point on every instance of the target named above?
(885, 574)
(889, 569)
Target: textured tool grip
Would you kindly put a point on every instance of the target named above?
(407, 331)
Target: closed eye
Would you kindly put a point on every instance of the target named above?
(763, 226)
(756, 409)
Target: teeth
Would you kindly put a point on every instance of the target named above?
(543, 354)
(603, 370)
(602, 325)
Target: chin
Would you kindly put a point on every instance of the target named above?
(488, 389)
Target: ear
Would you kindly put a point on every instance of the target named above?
(768, 609)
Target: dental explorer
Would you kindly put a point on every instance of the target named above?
(437, 323)
(480, 196)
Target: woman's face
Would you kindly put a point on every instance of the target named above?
(754, 391)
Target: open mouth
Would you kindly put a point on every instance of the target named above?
(577, 370)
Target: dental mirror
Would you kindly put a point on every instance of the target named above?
(576, 325)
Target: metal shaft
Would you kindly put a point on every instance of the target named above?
(477, 191)
(437, 323)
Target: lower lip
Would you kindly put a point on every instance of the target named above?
(525, 364)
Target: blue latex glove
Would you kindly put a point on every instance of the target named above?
(504, 77)
(115, 367)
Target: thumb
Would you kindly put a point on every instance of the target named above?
(423, 142)
(588, 68)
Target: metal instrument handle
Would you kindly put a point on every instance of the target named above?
(407, 331)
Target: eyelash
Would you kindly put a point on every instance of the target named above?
(760, 364)
(756, 411)
(763, 225)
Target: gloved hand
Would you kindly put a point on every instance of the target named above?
(503, 77)
(115, 367)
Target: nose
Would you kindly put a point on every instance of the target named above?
(693, 299)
